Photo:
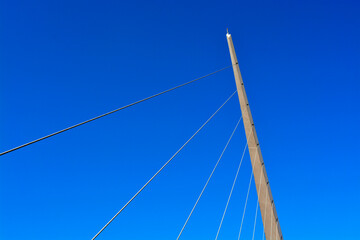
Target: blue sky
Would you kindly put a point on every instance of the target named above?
(62, 62)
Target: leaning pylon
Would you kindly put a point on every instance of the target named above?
(267, 207)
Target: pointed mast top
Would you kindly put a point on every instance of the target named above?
(227, 33)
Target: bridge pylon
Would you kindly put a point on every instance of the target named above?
(267, 207)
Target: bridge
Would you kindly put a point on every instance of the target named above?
(265, 202)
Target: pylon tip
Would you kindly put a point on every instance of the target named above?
(227, 32)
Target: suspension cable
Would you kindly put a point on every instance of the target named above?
(108, 113)
(258, 202)
(264, 225)
(142, 188)
(246, 200)
(256, 213)
(202, 191)
(231, 191)
(272, 224)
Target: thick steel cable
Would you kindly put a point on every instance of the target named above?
(142, 188)
(231, 191)
(108, 113)
(202, 191)
(246, 200)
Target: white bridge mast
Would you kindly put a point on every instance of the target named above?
(267, 207)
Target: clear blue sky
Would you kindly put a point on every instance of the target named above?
(62, 62)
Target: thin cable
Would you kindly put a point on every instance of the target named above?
(142, 188)
(108, 113)
(231, 191)
(258, 202)
(247, 197)
(217, 163)
(256, 212)
(263, 236)
(271, 223)
(267, 194)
